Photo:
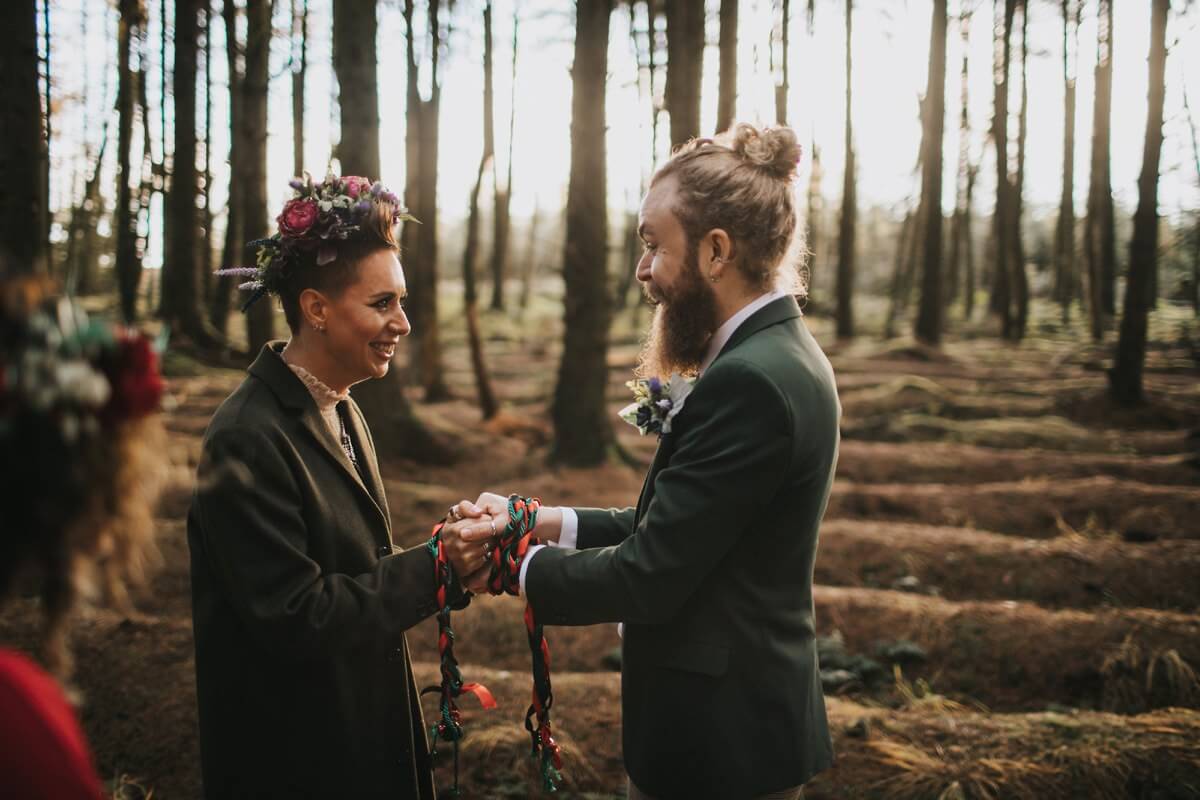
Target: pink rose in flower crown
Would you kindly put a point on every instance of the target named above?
(356, 185)
(297, 217)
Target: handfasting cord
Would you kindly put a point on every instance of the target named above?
(505, 578)
(449, 725)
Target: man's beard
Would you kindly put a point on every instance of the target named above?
(683, 324)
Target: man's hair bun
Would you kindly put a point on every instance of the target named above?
(775, 150)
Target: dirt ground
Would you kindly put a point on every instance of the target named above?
(1008, 580)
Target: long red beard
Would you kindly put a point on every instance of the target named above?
(683, 324)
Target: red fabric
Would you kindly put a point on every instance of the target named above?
(42, 750)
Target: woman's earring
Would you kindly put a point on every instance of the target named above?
(318, 328)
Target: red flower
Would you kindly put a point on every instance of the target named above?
(137, 385)
(297, 217)
(356, 185)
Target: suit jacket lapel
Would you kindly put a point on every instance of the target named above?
(292, 394)
(666, 445)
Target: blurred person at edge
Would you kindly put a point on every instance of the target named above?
(81, 464)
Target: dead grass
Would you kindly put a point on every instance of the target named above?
(1009, 656)
(1136, 681)
(948, 463)
(1020, 433)
(1032, 507)
(916, 755)
(1068, 571)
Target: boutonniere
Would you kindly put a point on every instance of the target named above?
(655, 403)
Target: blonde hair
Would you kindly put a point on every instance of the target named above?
(742, 181)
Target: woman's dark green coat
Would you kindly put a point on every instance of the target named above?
(300, 603)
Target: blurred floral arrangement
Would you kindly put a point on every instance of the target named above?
(82, 454)
(318, 215)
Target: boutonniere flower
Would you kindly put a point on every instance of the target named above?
(655, 403)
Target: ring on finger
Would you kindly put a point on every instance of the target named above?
(494, 531)
(454, 514)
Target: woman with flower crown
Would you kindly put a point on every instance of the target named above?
(300, 599)
(80, 455)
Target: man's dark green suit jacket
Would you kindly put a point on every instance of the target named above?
(712, 574)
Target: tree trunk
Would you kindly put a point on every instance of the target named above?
(582, 431)
(181, 265)
(235, 234)
(969, 244)
(845, 271)
(128, 260)
(420, 240)
(261, 316)
(652, 64)
(961, 211)
(812, 220)
(83, 262)
(502, 218)
(1099, 241)
(1020, 281)
(354, 62)
(902, 265)
(396, 429)
(47, 118)
(529, 264)
(1001, 302)
(727, 86)
(206, 241)
(1195, 292)
(781, 82)
(685, 54)
(1126, 376)
(929, 313)
(21, 141)
(483, 383)
(1064, 238)
(299, 73)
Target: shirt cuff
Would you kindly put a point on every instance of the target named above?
(568, 537)
(529, 554)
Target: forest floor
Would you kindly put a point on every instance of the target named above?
(1008, 578)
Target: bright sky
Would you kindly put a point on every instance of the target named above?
(890, 67)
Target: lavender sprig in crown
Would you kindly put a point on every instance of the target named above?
(319, 215)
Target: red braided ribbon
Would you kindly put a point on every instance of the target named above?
(449, 726)
(505, 578)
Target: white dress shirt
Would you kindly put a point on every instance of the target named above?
(569, 537)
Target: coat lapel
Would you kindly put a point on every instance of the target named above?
(367, 459)
(292, 394)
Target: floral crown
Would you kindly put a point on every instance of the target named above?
(317, 217)
(86, 377)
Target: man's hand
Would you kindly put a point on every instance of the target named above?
(549, 521)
